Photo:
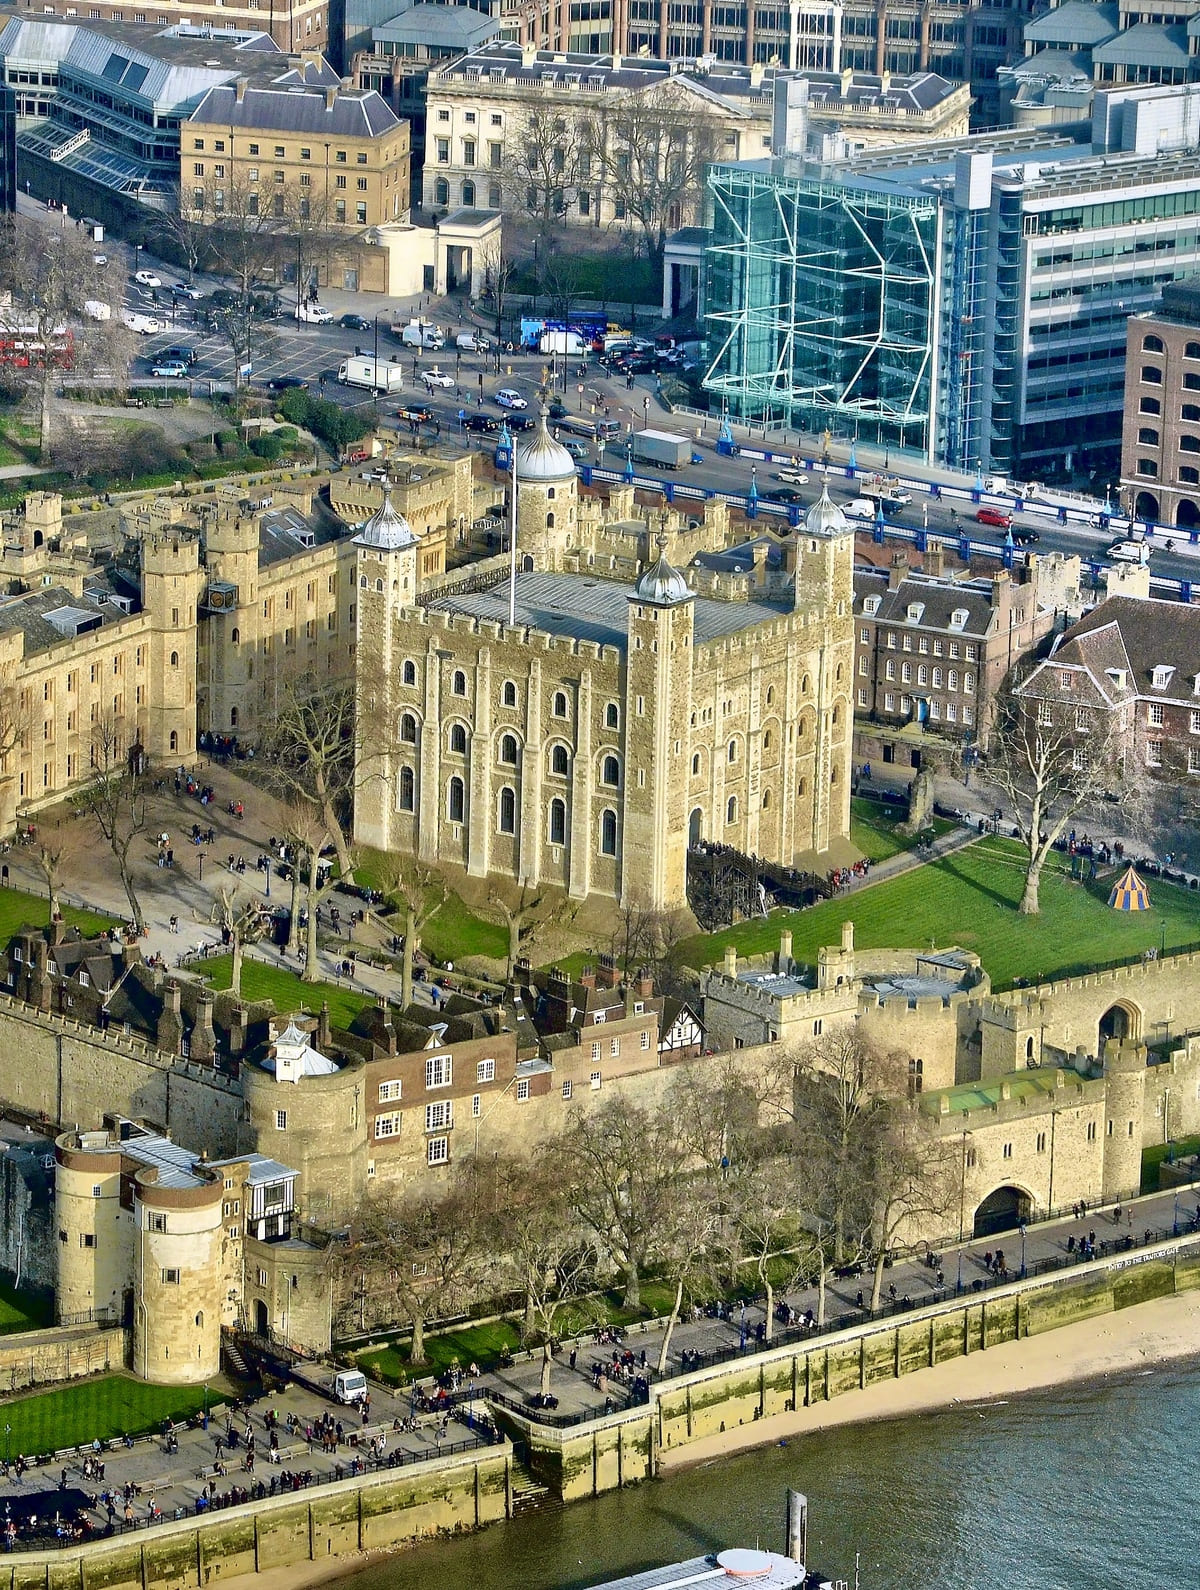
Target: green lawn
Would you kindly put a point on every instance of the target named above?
(474, 1344)
(23, 1311)
(18, 910)
(1153, 1157)
(285, 989)
(970, 899)
(454, 931)
(874, 829)
(76, 1415)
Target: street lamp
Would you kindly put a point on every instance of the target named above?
(646, 410)
(268, 871)
(200, 863)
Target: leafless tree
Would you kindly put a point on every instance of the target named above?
(430, 1245)
(310, 753)
(53, 852)
(914, 1177)
(542, 166)
(238, 913)
(651, 149)
(47, 274)
(519, 918)
(422, 891)
(553, 1261)
(499, 266)
(1051, 762)
(186, 232)
(115, 798)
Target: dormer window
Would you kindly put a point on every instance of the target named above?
(1196, 685)
(1118, 677)
(958, 618)
(871, 607)
(914, 612)
(1163, 674)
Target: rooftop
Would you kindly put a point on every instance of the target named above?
(348, 113)
(1024, 1087)
(580, 607)
(49, 616)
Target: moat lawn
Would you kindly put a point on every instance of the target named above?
(111, 1406)
(23, 1311)
(286, 991)
(874, 829)
(970, 899)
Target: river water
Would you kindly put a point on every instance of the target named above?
(1081, 1488)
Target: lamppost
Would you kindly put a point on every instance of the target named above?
(268, 872)
(200, 864)
(1175, 1215)
(7, 1442)
(646, 410)
(137, 256)
(580, 391)
(1022, 1250)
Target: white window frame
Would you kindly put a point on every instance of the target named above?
(439, 1071)
(437, 1151)
(485, 1071)
(387, 1125)
(389, 1091)
(439, 1116)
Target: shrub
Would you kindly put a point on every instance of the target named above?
(267, 445)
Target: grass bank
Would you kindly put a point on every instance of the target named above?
(111, 1406)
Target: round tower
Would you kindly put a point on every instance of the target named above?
(180, 1278)
(315, 1122)
(1124, 1106)
(172, 585)
(547, 499)
(95, 1238)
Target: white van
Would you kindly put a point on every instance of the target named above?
(861, 508)
(144, 325)
(349, 1385)
(471, 342)
(313, 315)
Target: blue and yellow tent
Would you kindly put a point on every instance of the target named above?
(1129, 893)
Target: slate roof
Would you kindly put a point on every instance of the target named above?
(284, 532)
(28, 613)
(937, 598)
(456, 27)
(1145, 45)
(740, 559)
(354, 113)
(583, 608)
(1077, 24)
(1139, 635)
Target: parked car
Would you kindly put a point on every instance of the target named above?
(354, 323)
(175, 369)
(436, 377)
(100, 259)
(313, 315)
(147, 279)
(283, 383)
(509, 398)
(994, 516)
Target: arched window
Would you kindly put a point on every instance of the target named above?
(1029, 1047)
(837, 674)
(468, 198)
(1152, 345)
(508, 749)
(550, 494)
(1190, 411)
(766, 739)
(379, 585)
(612, 716)
(559, 708)
(235, 634)
(441, 191)
(362, 581)
(233, 717)
(802, 788)
(804, 685)
(837, 714)
(610, 772)
(174, 659)
(457, 803)
(200, 1320)
(1147, 436)
(770, 694)
(459, 683)
(510, 693)
(508, 810)
(174, 741)
(408, 728)
(766, 799)
(731, 809)
(408, 790)
(1189, 444)
(549, 521)
(559, 761)
(409, 673)
(608, 833)
(696, 765)
(458, 739)
(558, 822)
(732, 752)
(1151, 375)
(1192, 351)
(916, 1076)
(1150, 405)
(1192, 381)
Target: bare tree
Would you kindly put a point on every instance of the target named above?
(239, 914)
(47, 275)
(651, 149)
(307, 833)
(115, 798)
(422, 892)
(311, 757)
(499, 266)
(914, 1177)
(56, 847)
(184, 230)
(553, 1260)
(1051, 762)
(542, 165)
(431, 1246)
(519, 919)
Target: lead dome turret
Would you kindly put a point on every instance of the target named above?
(542, 458)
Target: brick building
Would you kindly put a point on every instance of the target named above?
(1160, 438)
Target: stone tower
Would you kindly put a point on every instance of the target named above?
(171, 588)
(1124, 1104)
(824, 589)
(547, 500)
(180, 1280)
(393, 749)
(234, 619)
(658, 705)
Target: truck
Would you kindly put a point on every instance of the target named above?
(349, 1386)
(377, 375)
(568, 342)
(1129, 551)
(97, 309)
(661, 447)
(886, 489)
(419, 334)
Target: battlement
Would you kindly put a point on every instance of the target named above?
(1013, 1097)
(443, 622)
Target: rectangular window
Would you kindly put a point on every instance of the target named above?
(388, 1091)
(439, 1117)
(87, 1240)
(645, 1040)
(1154, 714)
(595, 1051)
(566, 1089)
(438, 1151)
(614, 1047)
(523, 1089)
(476, 1105)
(438, 1071)
(169, 1277)
(1154, 753)
(1007, 1151)
(387, 1125)
(281, 1120)
(485, 1071)
(595, 1080)
(1041, 1142)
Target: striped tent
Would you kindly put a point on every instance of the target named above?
(1129, 893)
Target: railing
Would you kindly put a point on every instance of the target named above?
(280, 1485)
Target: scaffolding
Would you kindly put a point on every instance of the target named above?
(823, 303)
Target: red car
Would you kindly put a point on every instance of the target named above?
(996, 516)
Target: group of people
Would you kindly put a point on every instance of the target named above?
(843, 877)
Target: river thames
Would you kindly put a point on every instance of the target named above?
(1085, 1487)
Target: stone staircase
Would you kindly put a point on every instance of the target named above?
(529, 1494)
